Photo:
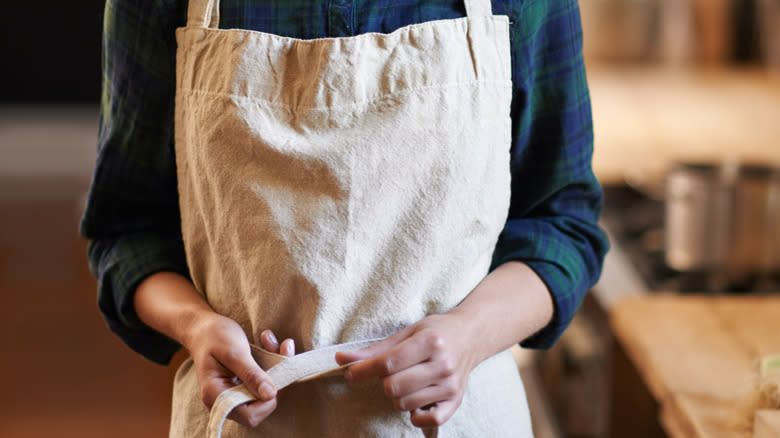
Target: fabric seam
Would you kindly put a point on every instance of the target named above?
(366, 102)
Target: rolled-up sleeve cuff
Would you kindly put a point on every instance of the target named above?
(565, 305)
(567, 266)
(120, 266)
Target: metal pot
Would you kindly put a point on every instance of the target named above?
(723, 219)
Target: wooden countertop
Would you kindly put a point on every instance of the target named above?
(698, 354)
(646, 118)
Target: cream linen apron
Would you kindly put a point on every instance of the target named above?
(336, 190)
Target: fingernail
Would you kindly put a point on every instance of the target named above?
(291, 347)
(267, 392)
(272, 338)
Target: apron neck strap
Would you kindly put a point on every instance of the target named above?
(478, 8)
(203, 13)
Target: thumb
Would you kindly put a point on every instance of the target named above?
(254, 378)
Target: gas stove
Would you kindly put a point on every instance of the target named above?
(635, 224)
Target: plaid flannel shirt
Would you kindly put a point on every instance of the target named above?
(132, 216)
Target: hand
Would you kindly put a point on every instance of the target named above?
(222, 359)
(424, 368)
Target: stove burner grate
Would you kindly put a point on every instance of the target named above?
(636, 222)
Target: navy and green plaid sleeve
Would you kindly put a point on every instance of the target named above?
(556, 199)
(132, 216)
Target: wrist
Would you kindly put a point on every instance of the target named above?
(170, 304)
(190, 322)
(473, 337)
(509, 305)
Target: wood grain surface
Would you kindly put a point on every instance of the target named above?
(698, 354)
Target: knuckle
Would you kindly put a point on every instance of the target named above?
(448, 367)
(450, 388)
(386, 366)
(390, 388)
(436, 344)
(253, 381)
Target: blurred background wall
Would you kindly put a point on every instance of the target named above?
(682, 32)
(51, 51)
(64, 374)
(682, 80)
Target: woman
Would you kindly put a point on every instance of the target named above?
(341, 189)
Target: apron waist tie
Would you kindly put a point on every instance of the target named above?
(283, 372)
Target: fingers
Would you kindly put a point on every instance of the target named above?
(409, 352)
(428, 396)
(269, 342)
(416, 378)
(245, 368)
(435, 415)
(287, 348)
(257, 381)
(424, 369)
(222, 358)
(345, 357)
(252, 414)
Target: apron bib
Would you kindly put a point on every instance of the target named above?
(335, 191)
